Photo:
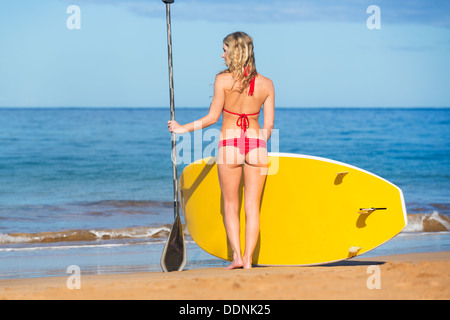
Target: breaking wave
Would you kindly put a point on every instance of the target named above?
(427, 222)
(86, 235)
(417, 223)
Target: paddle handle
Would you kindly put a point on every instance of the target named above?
(172, 109)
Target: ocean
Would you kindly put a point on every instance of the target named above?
(92, 187)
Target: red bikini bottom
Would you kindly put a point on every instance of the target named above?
(244, 144)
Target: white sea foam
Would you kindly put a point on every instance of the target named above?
(425, 222)
(86, 246)
(129, 232)
(6, 238)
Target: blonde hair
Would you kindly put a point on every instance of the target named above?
(240, 58)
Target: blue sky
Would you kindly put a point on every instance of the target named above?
(319, 53)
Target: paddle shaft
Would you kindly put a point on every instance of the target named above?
(174, 253)
(172, 110)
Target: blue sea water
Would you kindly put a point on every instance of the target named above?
(93, 186)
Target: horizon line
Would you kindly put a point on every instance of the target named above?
(205, 107)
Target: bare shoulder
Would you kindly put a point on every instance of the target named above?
(265, 82)
(224, 80)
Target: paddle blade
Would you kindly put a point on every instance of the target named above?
(174, 254)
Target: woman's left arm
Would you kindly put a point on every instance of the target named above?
(215, 110)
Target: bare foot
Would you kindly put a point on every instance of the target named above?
(235, 264)
(247, 264)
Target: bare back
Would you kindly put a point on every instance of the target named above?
(239, 102)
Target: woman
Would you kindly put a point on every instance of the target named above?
(240, 92)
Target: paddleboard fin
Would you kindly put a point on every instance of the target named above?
(353, 250)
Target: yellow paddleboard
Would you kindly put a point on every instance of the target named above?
(313, 211)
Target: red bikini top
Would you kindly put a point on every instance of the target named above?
(243, 121)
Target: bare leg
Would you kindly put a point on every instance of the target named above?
(229, 178)
(254, 177)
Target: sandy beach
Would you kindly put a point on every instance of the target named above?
(406, 276)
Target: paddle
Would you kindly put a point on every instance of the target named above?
(174, 254)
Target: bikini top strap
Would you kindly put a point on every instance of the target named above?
(252, 87)
(241, 114)
(252, 82)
